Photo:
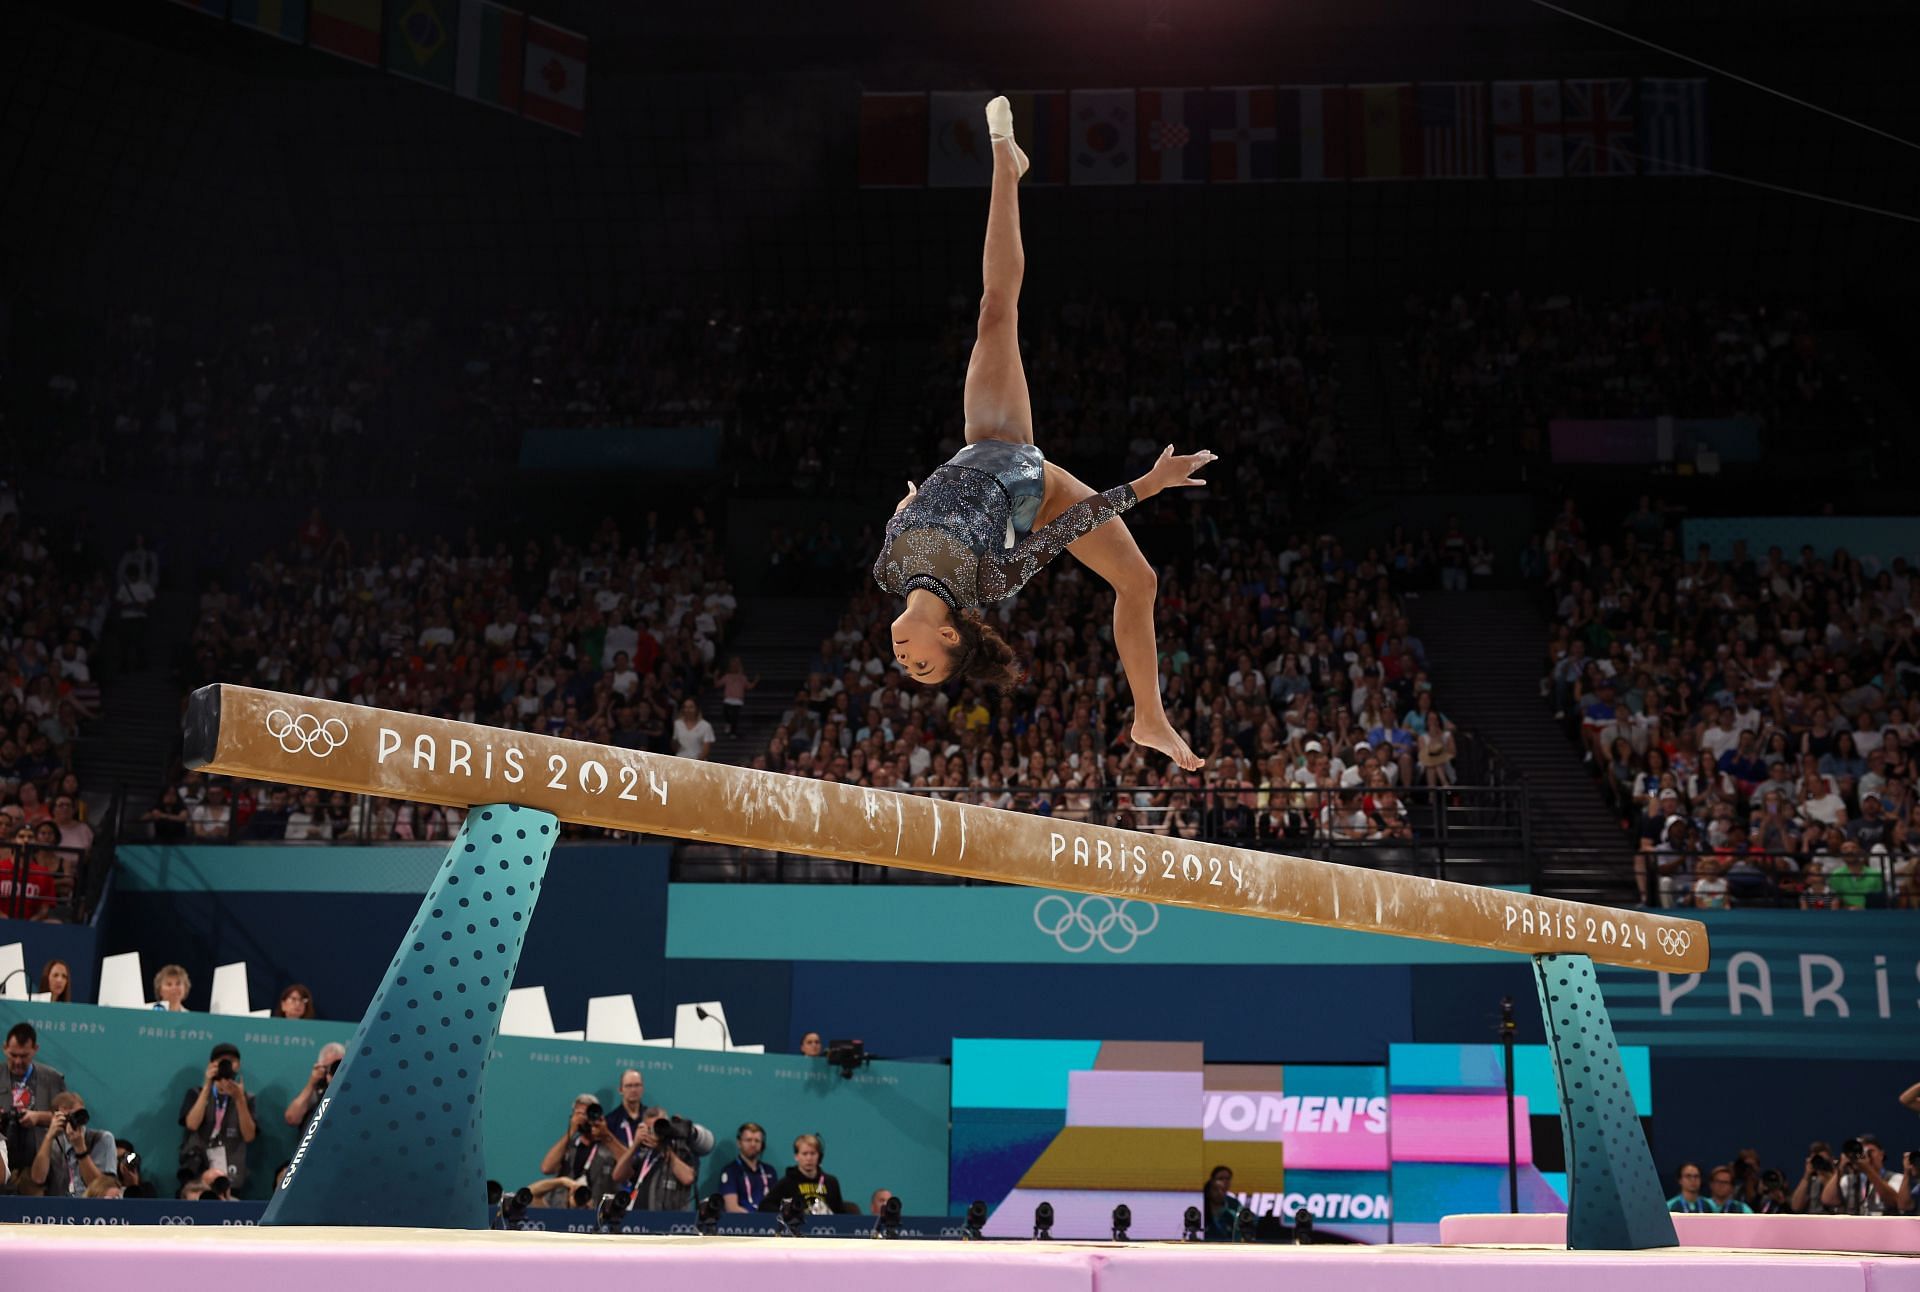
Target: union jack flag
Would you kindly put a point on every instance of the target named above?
(1597, 122)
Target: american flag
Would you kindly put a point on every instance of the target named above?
(1453, 129)
(1597, 122)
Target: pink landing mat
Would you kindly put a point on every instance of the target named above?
(1892, 1234)
(373, 1260)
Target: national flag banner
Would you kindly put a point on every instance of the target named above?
(1173, 142)
(1245, 142)
(284, 19)
(1526, 130)
(554, 92)
(421, 40)
(893, 140)
(349, 28)
(1673, 125)
(1453, 129)
(1386, 136)
(1103, 140)
(958, 154)
(1596, 120)
(1312, 121)
(1040, 124)
(211, 8)
(493, 48)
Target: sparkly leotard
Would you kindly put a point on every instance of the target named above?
(960, 537)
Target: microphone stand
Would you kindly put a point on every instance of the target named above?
(726, 1033)
(1513, 1152)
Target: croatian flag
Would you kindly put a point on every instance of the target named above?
(1245, 143)
(1173, 136)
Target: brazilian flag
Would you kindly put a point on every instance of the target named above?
(423, 40)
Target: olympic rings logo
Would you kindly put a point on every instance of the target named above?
(1675, 942)
(302, 733)
(1077, 926)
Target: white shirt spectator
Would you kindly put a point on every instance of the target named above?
(694, 741)
(621, 638)
(1825, 809)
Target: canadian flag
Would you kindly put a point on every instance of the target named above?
(555, 92)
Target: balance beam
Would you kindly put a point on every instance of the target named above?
(271, 736)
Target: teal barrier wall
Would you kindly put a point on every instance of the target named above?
(936, 925)
(884, 1127)
(1875, 540)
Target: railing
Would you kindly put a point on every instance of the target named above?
(1754, 879)
(39, 881)
(1432, 829)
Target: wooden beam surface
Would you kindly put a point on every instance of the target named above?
(266, 735)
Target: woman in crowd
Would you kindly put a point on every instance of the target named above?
(296, 1001)
(56, 982)
(998, 510)
(170, 988)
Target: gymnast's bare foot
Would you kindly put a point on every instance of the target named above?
(1161, 736)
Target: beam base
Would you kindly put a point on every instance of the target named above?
(397, 1140)
(1613, 1192)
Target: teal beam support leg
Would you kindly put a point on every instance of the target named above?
(1613, 1192)
(397, 1139)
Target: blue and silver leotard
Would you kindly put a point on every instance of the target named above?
(967, 535)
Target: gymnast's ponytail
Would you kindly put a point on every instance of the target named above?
(983, 656)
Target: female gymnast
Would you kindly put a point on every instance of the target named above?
(998, 510)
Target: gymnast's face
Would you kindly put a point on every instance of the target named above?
(923, 648)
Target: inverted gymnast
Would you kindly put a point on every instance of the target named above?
(998, 510)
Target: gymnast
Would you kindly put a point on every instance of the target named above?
(998, 510)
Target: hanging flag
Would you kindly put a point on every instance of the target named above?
(1386, 138)
(554, 92)
(1040, 124)
(1597, 122)
(286, 19)
(1526, 129)
(1244, 141)
(1173, 141)
(211, 8)
(1453, 129)
(421, 41)
(1673, 125)
(492, 54)
(1103, 139)
(958, 154)
(349, 28)
(893, 140)
(1313, 137)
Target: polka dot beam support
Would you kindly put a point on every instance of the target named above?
(397, 1141)
(1613, 1192)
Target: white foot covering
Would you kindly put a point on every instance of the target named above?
(1000, 126)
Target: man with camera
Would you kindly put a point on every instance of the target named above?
(71, 1157)
(304, 1105)
(1859, 1186)
(664, 1161)
(219, 1119)
(586, 1152)
(32, 1085)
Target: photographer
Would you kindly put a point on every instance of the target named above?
(664, 1162)
(1859, 1186)
(219, 1119)
(1813, 1179)
(32, 1085)
(586, 1151)
(305, 1104)
(71, 1158)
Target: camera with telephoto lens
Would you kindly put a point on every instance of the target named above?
(1822, 1164)
(224, 1072)
(9, 1121)
(221, 1188)
(78, 1119)
(1771, 1179)
(1852, 1150)
(673, 1132)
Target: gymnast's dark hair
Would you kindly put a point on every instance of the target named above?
(983, 655)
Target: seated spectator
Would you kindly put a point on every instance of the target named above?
(1857, 884)
(1690, 1199)
(811, 1047)
(692, 734)
(211, 820)
(296, 1001)
(1710, 890)
(309, 821)
(71, 1157)
(74, 833)
(170, 988)
(167, 819)
(1437, 754)
(29, 886)
(1720, 1190)
(746, 1180)
(56, 982)
(219, 1121)
(818, 1191)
